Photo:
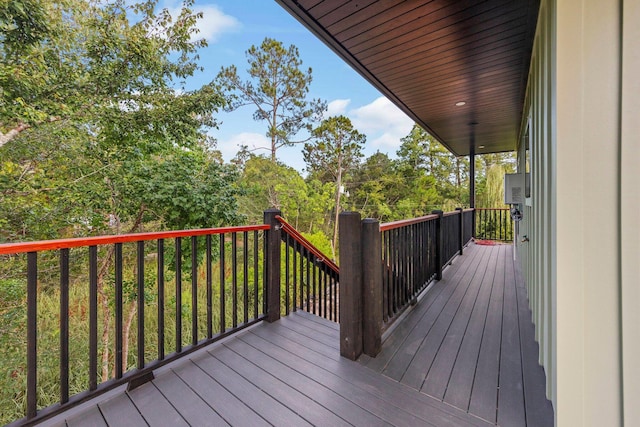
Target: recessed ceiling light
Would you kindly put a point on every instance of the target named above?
(480, 146)
(460, 103)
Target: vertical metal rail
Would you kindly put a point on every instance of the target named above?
(234, 279)
(255, 275)
(32, 333)
(223, 310)
(119, 309)
(64, 326)
(93, 318)
(245, 271)
(194, 290)
(141, 300)
(178, 284)
(160, 299)
(209, 261)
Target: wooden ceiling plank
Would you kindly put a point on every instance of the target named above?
(427, 14)
(439, 20)
(377, 13)
(510, 41)
(462, 35)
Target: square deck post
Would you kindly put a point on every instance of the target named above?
(372, 286)
(272, 264)
(350, 237)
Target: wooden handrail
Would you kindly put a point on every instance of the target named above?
(290, 230)
(45, 245)
(403, 223)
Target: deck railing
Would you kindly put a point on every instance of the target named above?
(205, 284)
(385, 267)
(493, 224)
(310, 279)
(409, 262)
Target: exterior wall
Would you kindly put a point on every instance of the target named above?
(582, 262)
(630, 207)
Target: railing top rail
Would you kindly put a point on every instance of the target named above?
(307, 244)
(45, 245)
(468, 210)
(405, 222)
(451, 213)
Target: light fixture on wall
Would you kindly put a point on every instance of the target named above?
(460, 103)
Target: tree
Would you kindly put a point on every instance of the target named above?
(278, 88)
(267, 184)
(335, 151)
(91, 85)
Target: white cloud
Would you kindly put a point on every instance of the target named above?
(337, 107)
(382, 122)
(214, 22)
(229, 147)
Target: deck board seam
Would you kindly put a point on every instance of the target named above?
(485, 310)
(453, 318)
(445, 300)
(438, 317)
(484, 326)
(407, 332)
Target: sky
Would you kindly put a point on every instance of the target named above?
(232, 26)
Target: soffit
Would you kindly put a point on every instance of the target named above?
(426, 56)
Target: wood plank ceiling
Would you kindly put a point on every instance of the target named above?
(428, 55)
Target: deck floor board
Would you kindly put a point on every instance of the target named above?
(465, 354)
(471, 344)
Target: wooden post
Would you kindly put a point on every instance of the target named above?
(461, 236)
(272, 265)
(439, 244)
(349, 236)
(372, 286)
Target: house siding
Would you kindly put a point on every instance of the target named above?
(581, 262)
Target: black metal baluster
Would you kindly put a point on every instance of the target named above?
(287, 283)
(194, 290)
(245, 282)
(255, 274)
(64, 325)
(93, 317)
(32, 333)
(315, 288)
(178, 294)
(118, 304)
(209, 287)
(385, 276)
(160, 299)
(234, 278)
(140, 256)
(223, 311)
(302, 298)
(307, 256)
(295, 279)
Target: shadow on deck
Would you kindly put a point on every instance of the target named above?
(464, 356)
(470, 342)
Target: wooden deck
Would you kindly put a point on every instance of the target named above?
(464, 356)
(470, 342)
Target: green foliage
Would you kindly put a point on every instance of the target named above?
(278, 88)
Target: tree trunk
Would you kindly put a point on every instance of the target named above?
(104, 300)
(125, 338)
(334, 241)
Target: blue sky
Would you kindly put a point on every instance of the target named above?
(232, 26)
